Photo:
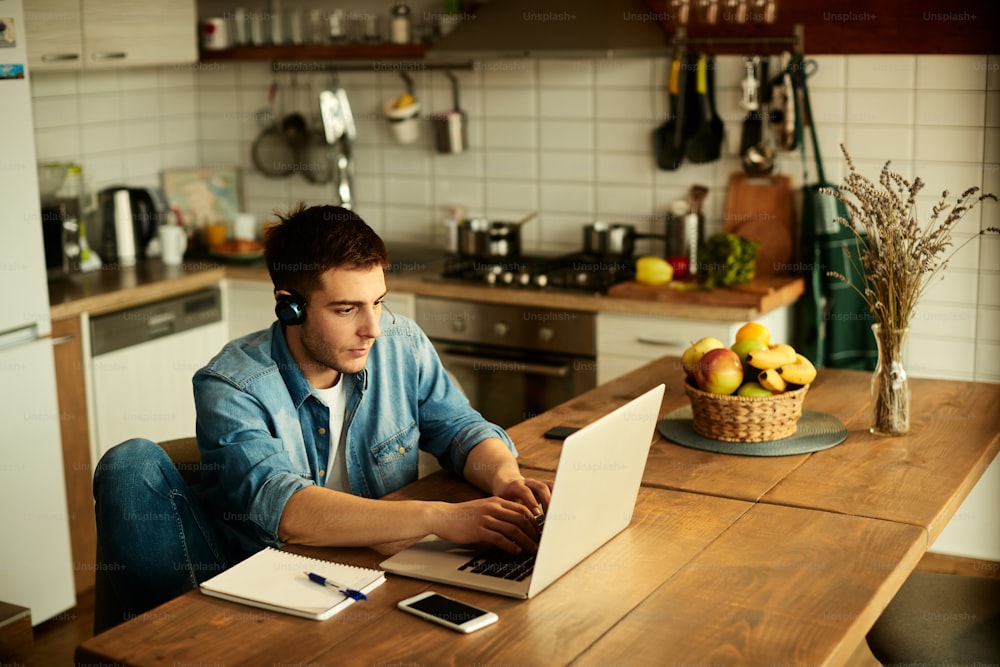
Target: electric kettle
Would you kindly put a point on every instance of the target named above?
(128, 221)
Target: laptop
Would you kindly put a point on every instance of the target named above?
(593, 497)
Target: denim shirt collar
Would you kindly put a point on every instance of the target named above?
(299, 387)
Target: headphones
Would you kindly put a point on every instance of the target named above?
(290, 307)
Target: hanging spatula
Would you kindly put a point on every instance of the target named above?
(705, 145)
(668, 151)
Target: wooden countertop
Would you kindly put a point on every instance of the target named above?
(781, 291)
(110, 289)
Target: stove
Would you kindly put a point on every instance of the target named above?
(575, 271)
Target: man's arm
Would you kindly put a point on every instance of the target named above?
(319, 516)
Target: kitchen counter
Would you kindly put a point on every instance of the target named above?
(427, 282)
(114, 288)
(111, 289)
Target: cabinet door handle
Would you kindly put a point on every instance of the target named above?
(62, 339)
(59, 57)
(109, 55)
(659, 343)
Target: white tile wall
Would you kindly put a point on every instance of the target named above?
(571, 139)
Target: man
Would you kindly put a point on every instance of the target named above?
(303, 427)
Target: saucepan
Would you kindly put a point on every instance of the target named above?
(480, 238)
(604, 239)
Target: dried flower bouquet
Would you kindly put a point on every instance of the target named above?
(899, 258)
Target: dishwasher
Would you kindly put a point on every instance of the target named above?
(142, 362)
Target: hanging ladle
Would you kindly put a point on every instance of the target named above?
(759, 157)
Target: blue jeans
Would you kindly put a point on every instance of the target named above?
(155, 541)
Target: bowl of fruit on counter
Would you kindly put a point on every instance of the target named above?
(750, 391)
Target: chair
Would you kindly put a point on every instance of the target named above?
(187, 458)
(946, 619)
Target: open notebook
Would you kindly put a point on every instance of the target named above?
(275, 580)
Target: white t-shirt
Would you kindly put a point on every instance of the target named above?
(335, 473)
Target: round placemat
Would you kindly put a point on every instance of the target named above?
(816, 431)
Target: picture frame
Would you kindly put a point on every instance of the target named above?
(204, 195)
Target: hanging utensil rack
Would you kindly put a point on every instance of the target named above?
(366, 66)
(796, 40)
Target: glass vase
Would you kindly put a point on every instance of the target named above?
(890, 390)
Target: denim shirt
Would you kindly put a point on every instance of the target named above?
(262, 430)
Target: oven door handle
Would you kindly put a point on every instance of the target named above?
(480, 362)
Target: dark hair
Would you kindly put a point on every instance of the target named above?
(309, 241)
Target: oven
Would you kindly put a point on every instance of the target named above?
(512, 362)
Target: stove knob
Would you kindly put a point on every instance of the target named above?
(524, 278)
(491, 278)
(458, 326)
(501, 329)
(507, 278)
(546, 334)
(541, 280)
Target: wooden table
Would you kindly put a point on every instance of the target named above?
(919, 479)
(729, 559)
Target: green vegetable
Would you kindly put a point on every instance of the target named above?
(727, 259)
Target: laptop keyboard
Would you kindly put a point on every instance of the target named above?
(495, 562)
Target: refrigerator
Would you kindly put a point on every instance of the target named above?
(36, 566)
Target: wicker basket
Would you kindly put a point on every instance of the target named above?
(745, 418)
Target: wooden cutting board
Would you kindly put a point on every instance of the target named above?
(763, 293)
(760, 208)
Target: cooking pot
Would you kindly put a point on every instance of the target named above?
(482, 239)
(609, 240)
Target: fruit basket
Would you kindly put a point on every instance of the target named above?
(745, 418)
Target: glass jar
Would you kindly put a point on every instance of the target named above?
(401, 24)
(890, 388)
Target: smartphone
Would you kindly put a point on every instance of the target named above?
(449, 612)
(560, 432)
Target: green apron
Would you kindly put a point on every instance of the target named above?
(832, 322)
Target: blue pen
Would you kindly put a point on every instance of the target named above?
(323, 581)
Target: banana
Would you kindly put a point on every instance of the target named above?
(769, 379)
(801, 372)
(779, 354)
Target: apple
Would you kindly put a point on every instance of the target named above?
(681, 266)
(743, 347)
(719, 371)
(753, 389)
(691, 356)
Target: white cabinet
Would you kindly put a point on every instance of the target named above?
(145, 391)
(401, 303)
(249, 306)
(54, 34)
(626, 342)
(103, 34)
(142, 362)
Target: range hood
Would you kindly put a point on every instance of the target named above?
(555, 29)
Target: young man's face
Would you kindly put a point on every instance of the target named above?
(341, 325)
